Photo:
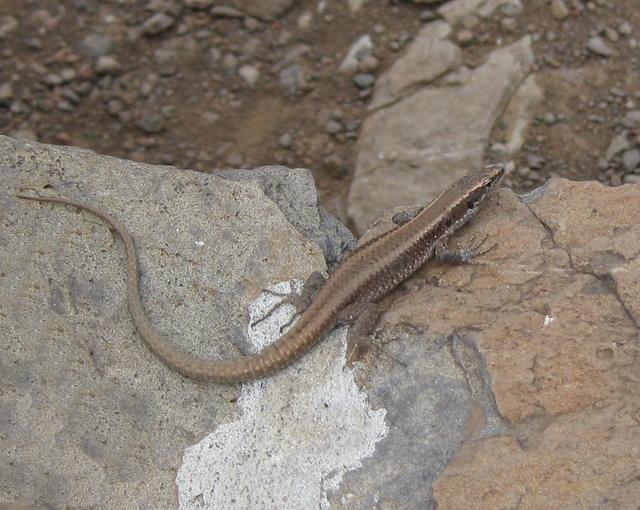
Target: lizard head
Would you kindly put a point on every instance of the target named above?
(476, 186)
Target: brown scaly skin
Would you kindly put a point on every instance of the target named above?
(366, 274)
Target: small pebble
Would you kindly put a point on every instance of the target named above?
(305, 19)
(96, 45)
(512, 8)
(611, 34)
(559, 9)
(364, 80)
(631, 159)
(427, 15)
(509, 24)
(615, 180)
(6, 93)
(625, 28)
(68, 75)
(465, 37)
(151, 122)
(251, 24)
(599, 47)
(107, 65)
(368, 64)
(333, 127)
(229, 62)
(285, 140)
(157, 23)
(53, 79)
(7, 25)
(250, 74)
(631, 119)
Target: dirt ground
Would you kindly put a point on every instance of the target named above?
(178, 96)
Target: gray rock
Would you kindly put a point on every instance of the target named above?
(631, 119)
(618, 144)
(358, 50)
(333, 127)
(631, 159)
(7, 25)
(53, 79)
(230, 62)
(465, 37)
(508, 7)
(96, 45)
(429, 413)
(249, 74)
(107, 65)
(597, 45)
(225, 11)
(157, 23)
(364, 80)
(6, 93)
(285, 140)
(625, 28)
(207, 246)
(264, 9)
(430, 56)
(611, 34)
(411, 150)
(294, 54)
(559, 9)
(427, 15)
(293, 78)
(68, 75)
(151, 122)
(172, 7)
(333, 238)
(509, 24)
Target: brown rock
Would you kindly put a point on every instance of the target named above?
(548, 327)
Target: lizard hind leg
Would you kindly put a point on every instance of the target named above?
(299, 301)
(462, 254)
(363, 319)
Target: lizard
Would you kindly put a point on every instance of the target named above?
(365, 275)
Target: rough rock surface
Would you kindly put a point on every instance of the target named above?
(412, 149)
(90, 418)
(520, 376)
(431, 56)
(509, 383)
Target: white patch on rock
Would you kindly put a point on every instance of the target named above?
(299, 432)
